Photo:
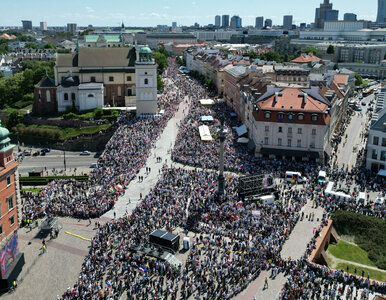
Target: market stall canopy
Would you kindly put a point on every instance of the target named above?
(382, 173)
(206, 102)
(243, 140)
(207, 118)
(205, 133)
(241, 130)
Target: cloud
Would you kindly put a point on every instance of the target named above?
(194, 3)
(89, 9)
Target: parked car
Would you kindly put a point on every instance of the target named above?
(27, 153)
(363, 103)
(45, 150)
(36, 153)
(85, 153)
(93, 165)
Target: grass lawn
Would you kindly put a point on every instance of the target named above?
(377, 275)
(37, 190)
(350, 252)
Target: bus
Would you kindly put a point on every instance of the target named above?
(368, 92)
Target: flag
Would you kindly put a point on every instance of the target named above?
(143, 269)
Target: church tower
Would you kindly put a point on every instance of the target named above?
(146, 82)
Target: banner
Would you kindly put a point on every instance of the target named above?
(9, 253)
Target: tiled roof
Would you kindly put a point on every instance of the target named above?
(305, 58)
(341, 79)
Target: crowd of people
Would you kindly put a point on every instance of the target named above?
(233, 242)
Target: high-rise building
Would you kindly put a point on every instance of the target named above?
(217, 21)
(268, 23)
(72, 27)
(287, 22)
(27, 25)
(349, 17)
(259, 22)
(174, 24)
(43, 26)
(332, 15)
(381, 16)
(303, 26)
(322, 13)
(225, 21)
(235, 22)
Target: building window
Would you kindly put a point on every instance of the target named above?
(65, 96)
(280, 129)
(289, 142)
(266, 129)
(300, 117)
(10, 202)
(90, 95)
(111, 78)
(146, 81)
(279, 142)
(290, 117)
(299, 143)
(73, 97)
(267, 115)
(313, 131)
(300, 131)
(119, 92)
(128, 78)
(314, 118)
(129, 92)
(92, 79)
(280, 117)
(383, 156)
(48, 96)
(374, 154)
(9, 181)
(12, 220)
(266, 141)
(1, 229)
(312, 145)
(383, 142)
(375, 140)
(289, 130)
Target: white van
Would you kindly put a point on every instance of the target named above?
(362, 197)
(267, 199)
(322, 177)
(293, 177)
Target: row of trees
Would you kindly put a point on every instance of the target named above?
(205, 81)
(161, 58)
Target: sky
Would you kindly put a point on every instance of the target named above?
(164, 12)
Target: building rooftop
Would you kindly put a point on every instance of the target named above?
(305, 58)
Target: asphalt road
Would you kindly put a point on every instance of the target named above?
(55, 160)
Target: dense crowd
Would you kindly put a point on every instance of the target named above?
(234, 241)
(124, 155)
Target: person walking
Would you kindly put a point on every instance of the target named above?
(265, 283)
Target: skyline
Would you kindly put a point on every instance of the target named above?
(164, 12)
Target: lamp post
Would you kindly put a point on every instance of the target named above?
(64, 160)
(221, 178)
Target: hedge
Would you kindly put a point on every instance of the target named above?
(44, 180)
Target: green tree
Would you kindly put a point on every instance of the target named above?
(358, 79)
(330, 49)
(14, 119)
(161, 61)
(160, 83)
(180, 61)
(28, 81)
(33, 45)
(49, 46)
(310, 49)
(162, 49)
(336, 67)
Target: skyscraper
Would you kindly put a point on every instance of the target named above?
(332, 15)
(72, 27)
(321, 12)
(268, 23)
(43, 26)
(235, 22)
(27, 25)
(225, 21)
(287, 22)
(174, 24)
(217, 21)
(259, 22)
(349, 17)
(381, 16)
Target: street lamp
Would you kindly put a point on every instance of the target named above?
(221, 178)
(64, 159)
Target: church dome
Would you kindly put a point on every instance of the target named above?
(4, 132)
(145, 50)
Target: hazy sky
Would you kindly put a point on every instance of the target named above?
(184, 12)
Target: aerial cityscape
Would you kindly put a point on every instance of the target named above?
(199, 150)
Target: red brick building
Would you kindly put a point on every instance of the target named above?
(45, 97)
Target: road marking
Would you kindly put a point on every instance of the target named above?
(81, 237)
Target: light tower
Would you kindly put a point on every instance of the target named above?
(221, 178)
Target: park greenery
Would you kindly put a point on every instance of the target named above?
(350, 252)
(373, 274)
(358, 79)
(161, 58)
(368, 234)
(96, 114)
(330, 49)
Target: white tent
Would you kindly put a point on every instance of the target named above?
(243, 140)
(206, 102)
(205, 133)
(241, 130)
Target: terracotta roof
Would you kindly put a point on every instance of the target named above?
(290, 99)
(341, 79)
(305, 58)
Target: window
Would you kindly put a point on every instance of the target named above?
(12, 220)
(375, 140)
(280, 117)
(289, 130)
(312, 145)
(300, 117)
(383, 156)
(313, 131)
(73, 97)
(65, 96)
(10, 202)
(48, 96)
(128, 78)
(299, 143)
(290, 117)
(9, 180)
(111, 78)
(314, 118)
(300, 131)
(266, 141)
(289, 142)
(90, 96)
(119, 92)
(129, 92)
(1, 229)
(383, 142)
(146, 81)
(92, 79)
(267, 115)
(266, 129)
(374, 154)
(280, 129)
(279, 142)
